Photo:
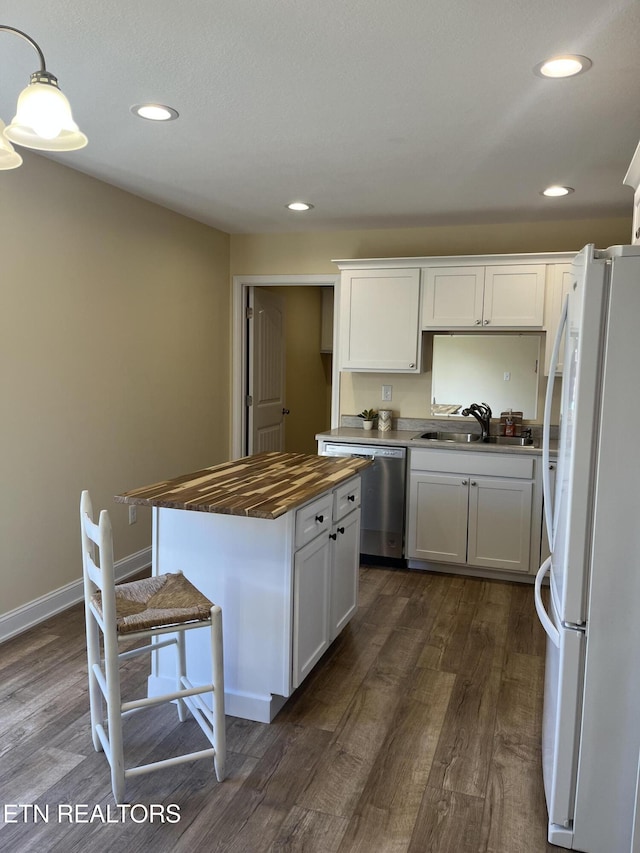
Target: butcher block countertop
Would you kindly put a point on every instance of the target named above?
(263, 486)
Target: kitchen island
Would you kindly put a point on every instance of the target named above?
(274, 540)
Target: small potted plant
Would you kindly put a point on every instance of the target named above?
(368, 417)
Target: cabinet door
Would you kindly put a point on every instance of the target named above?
(500, 523)
(438, 517)
(560, 285)
(345, 561)
(514, 295)
(452, 297)
(380, 320)
(312, 568)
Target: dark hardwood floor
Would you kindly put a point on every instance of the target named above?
(418, 731)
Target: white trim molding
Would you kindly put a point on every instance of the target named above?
(28, 615)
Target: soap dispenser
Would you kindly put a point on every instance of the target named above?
(509, 425)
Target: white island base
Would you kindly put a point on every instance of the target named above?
(286, 587)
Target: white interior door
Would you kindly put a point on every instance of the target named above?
(266, 388)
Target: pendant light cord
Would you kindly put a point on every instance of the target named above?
(34, 45)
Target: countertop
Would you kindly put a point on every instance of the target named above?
(263, 486)
(406, 438)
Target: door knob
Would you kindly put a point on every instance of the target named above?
(286, 411)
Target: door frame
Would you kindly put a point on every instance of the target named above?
(240, 287)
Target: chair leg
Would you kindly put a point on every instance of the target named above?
(96, 702)
(219, 730)
(114, 721)
(181, 671)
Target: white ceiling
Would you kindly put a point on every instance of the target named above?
(382, 113)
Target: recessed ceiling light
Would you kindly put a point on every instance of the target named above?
(563, 66)
(154, 112)
(299, 205)
(556, 191)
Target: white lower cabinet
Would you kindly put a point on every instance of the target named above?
(345, 561)
(285, 585)
(311, 603)
(471, 509)
(325, 581)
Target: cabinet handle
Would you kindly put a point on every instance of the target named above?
(351, 497)
(465, 482)
(319, 518)
(486, 322)
(412, 364)
(341, 530)
(473, 483)
(552, 467)
(478, 322)
(333, 536)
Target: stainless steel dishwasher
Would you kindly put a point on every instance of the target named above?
(382, 502)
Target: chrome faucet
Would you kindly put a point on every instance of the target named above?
(482, 413)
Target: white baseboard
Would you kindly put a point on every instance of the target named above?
(247, 706)
(25, 617)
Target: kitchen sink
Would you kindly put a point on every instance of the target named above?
(513, 440)
(470, 437)
(455, 437)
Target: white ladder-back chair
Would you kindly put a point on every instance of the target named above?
(162, 608)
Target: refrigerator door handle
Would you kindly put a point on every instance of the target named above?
(546, 425)
(550, 629)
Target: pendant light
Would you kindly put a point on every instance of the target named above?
(43, 119)
(9, 157)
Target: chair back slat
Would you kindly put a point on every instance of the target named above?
(91, 529)
(97, 562)
(93, 571)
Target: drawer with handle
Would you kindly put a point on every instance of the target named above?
(313, 519)
(346, 498)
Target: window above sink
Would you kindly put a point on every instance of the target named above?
(501, 370)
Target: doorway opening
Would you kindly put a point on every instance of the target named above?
(244, 366)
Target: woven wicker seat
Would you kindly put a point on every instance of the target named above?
(154, 602)
(163, 608)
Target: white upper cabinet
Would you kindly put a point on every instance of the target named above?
(379, 320)
(453, 296)
(514, 295)
(500, 296)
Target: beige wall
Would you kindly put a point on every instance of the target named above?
(306, 378)
(114, 360)
(310, 253)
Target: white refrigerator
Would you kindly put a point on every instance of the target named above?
(591, 718)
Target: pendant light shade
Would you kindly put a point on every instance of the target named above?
(43, 118)
(9, 157)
